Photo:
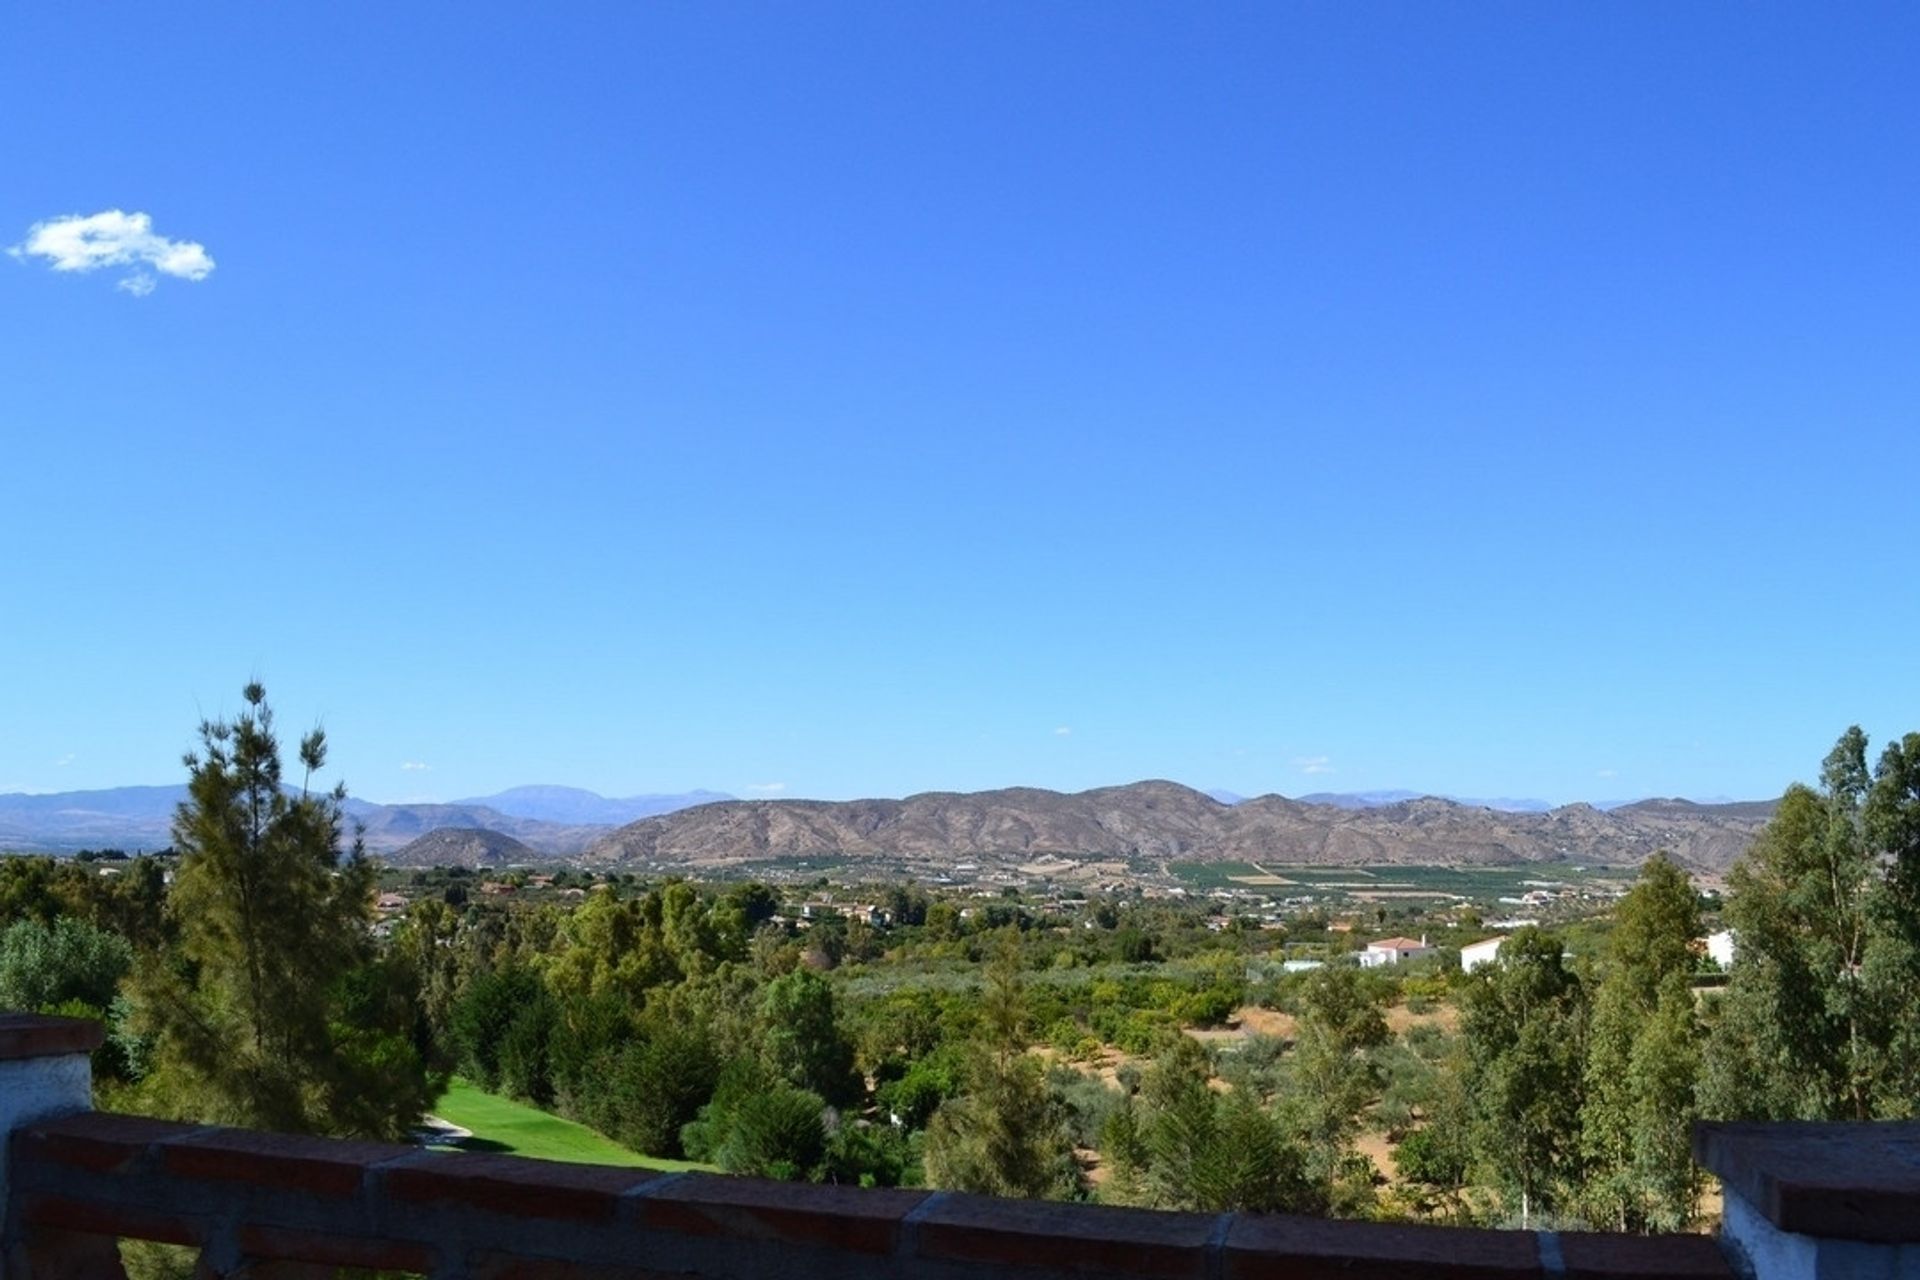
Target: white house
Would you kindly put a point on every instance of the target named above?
(1475, 954)
(1720, 947)
(1392, 951)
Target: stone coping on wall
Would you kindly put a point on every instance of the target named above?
(1834, 1181)
(242, 1196)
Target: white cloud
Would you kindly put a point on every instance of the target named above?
(767, 788)
(1064, 731)
(1314, 764)
(114, 238)
(1607, 773)
(414, 766)
(64, 761)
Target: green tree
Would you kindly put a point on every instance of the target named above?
(1643, 1061)
(1006, 1134)
(1331, 1076)
(1180, 1145)
(756, 1124)
(482, 1020)
(660, 1081)
(801, 1039)
(246, 1014)
(1524, 1020)
(1664, 1071)
(1818, 1022)
(42, 965)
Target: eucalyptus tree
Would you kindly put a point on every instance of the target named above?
(1818, 1021)
(1643, 1061)
(1524, 1023)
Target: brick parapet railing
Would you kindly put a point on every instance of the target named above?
(276, 1204)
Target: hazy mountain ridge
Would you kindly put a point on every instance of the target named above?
(391, 826)
(1381, 799)
(576, 806)
(1167, 821)
(142, 818)
(1162, 821)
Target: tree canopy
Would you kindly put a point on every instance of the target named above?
(273, 1011)
(1818, 1021)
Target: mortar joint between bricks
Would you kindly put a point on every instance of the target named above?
(1553, 1263)
(1214, 1251)
(628, 1204)
(151, 1155)
(909, 1242)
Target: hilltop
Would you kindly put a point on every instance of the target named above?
(463, 847)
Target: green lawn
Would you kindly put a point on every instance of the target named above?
(512, 1128)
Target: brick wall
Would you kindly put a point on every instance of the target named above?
(278, 1205)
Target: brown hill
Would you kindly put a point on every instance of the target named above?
(1164, 821)
(464, 847)
(387, 828)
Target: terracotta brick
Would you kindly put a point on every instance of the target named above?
(848, 1218)
(518, 1186)
(99, 1141)
(505, 1267)
(321, 1166)
(335, 1250)
(1601, 1256)
(62, 1212)
(35, 1035)
(1284, 1247)
(71, 1255)
(266, 1269)
(1067, 1237)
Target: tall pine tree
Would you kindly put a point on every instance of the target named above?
(273, 1010)
(1005, 1135)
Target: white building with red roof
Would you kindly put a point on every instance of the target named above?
(1392, 951)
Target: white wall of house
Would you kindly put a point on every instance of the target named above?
(1376, 954)
(1475, 954)
(1720, 947)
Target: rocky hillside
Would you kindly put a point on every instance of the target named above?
(463, 847)
(1164, 821)
(392, 826)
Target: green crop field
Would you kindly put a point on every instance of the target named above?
(1476, 883)
(505, 1127)
(1212, 875)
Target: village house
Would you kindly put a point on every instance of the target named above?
(1475, 954)
(1392, 951)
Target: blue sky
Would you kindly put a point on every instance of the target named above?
(835, 400)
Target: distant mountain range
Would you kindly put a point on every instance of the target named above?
(1382, 799)
(142, 818)
(1166, 822)
(1159, 821)
(573, 806)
